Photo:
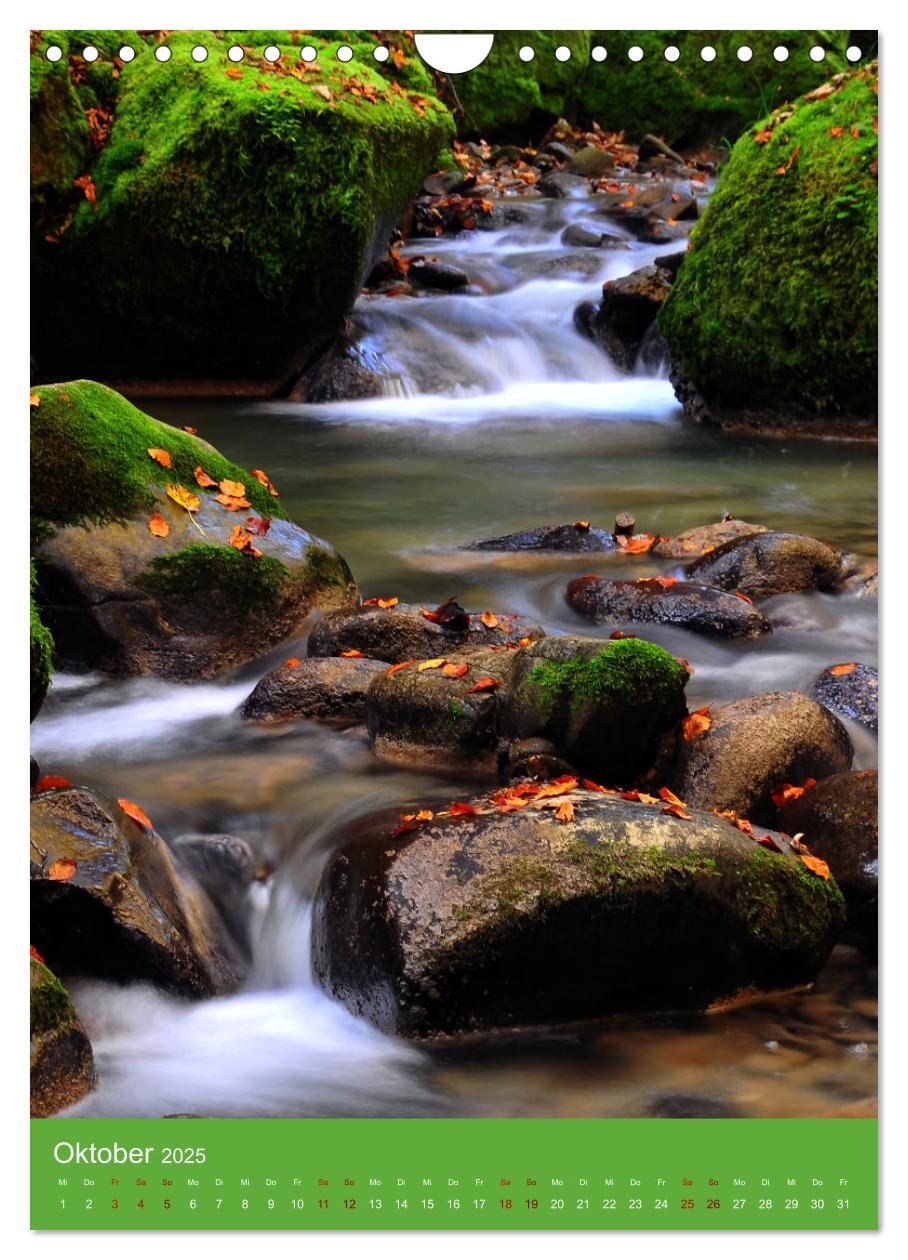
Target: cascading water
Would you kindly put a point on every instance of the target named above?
(497, 415)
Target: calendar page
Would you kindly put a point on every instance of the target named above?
(453, 630)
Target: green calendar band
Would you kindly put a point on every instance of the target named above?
(454, 1174)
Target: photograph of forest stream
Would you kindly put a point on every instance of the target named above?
(454, 575)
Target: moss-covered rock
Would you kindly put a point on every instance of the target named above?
(505, 96)
(772, 322)
(184, 603)
(605, 705)
(42, 648)
(470, 922)
(692, 101)
(232, 209)
(62, 1064)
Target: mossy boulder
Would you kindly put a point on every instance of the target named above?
(187, 604)
(691, 101)
(507, 97)
(606, 705)
(41, 650)
(772, 321)
(231, 210)
(109, 900)
(62, 1065)
(494, 920)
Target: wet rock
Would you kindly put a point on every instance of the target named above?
(576, 537)
(671, 262)
(403, 633)
(838, 819)
(442, 183)
(704, 538)
(501, 920)
(754, 745)
(431, 274)
(337, 376)
(506, 153)
(328, 688)
(107, 900)
(183, 605)
(690, 1107)
(591, 162)
(628, 309)
(225, 867)
(851, 694)
(583, 237)
(563, 185)
(62, 1063)
(767, 563)
(605, 705)
(534, 758)
(582, 262)
(559, 150)
(702, 609)
(426, 718)
(651, 146)
(869, 588)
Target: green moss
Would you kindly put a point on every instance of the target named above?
(255, 197)
(691, 101)
(786, 905)
(325, 568)
(505, 96)
(42, 648)
(776, 304)
(203, 572)
(90, 461)
(627, 672)
(49, 1003)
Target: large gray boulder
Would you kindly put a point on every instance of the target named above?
(768, 563)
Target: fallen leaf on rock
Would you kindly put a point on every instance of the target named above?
(557, 787)
(48, 782)
(764, 136)
(768, 842)
(741, 823)
(741, 595)
(848, 668)
(620, 634)
(233, 489)
(524, 642)
(232, 504)
(424, 815)
(461, 809)
(435, 663)
(489, 619)
(696, 723)
(34, 400)
(786, 792)
(665, 582)
(160, 456)
(815, 864)
(34, 953)
(593, 787)
(484, 684)
(668, 795)
(636, 543)
(239, 538)
(62, 869)
(263, 479)
(582, 527)
(381, 603)
(565, 812)
(258, 525)
(183, 497)
(187, 428)
(392, 669)
(685, 664)
(136, 812)
(455, 671)
(354, 654)
(203, 479)
(291, 661)
(676, 811)
(158, 526)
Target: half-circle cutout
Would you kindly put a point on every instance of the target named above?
(454, 54)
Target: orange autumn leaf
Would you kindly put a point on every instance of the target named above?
(187, 428)
(768, 842)
(591, 786)
(741, 595)
(815, 864)
(62, 869)
(263, 479)
(668, 795)
(460, 809)
(435, 663)
(565, 812)
(203, 479)
(524, 642)
(489, 619)
(786, 792)
(676, 811)
(379, 602)
(185, 498)
(636, 543)
(839, 670)
(136, 812)
(158, 526)
(33, 400)
(239, 538)
(47, 782)
(392, 669)
(582, 527)
(835, 132)
(484, 684)
(160, 456)
(764, 136)
(696, 723)
(354, 654)
(232, 504)
(424, 815)
(234, 73)
(665, 582)
(557, 787)
(233, 489)
(455, 671)
(34, 953)
(291, 662)
(258, 525)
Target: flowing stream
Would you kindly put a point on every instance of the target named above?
(497, 416)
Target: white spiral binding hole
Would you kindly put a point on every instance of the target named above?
(381, 53)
